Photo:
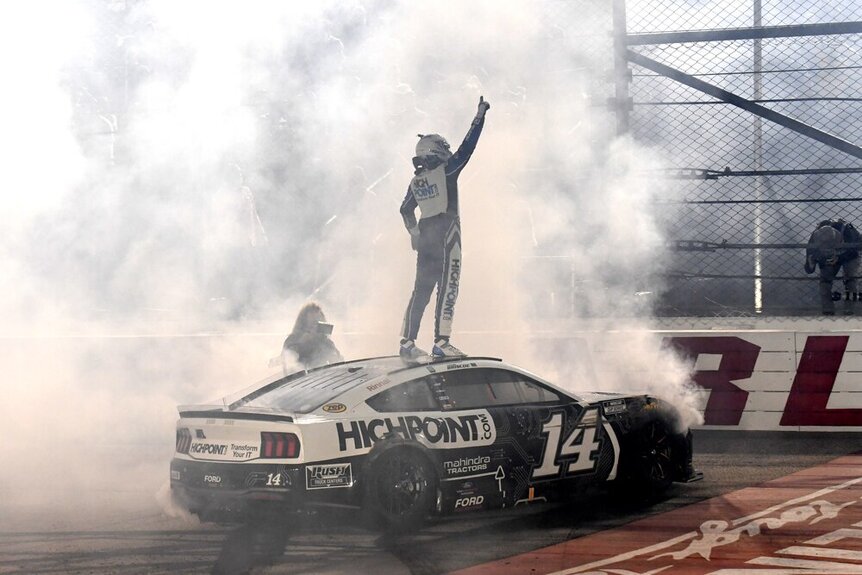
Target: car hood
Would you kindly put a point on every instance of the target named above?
(600, 396)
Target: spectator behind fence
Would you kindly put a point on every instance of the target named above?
(309, 341)
(828, 249)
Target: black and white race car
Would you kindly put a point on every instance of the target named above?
(406, 441)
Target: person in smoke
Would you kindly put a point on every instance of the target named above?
(309, 341)
(237, 244)
(249, 218)
(436, 237)
(831, 248)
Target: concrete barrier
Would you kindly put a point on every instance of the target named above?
(769, 379)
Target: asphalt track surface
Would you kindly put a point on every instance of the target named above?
(334, 543)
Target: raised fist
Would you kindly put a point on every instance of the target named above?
(483, 106)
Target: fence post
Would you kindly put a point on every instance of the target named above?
(622, 74)
(758, 159)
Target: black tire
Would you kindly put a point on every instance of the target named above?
(658, 457)
(401, 489)
(650, 465)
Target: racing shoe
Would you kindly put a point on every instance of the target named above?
(409, 351)
(442, 348)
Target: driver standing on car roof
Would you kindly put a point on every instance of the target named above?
(436, 237)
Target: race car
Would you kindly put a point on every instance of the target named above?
(406, 441)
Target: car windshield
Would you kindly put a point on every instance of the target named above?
(305, 392)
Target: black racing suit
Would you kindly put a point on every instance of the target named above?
(824, 250)
(311, 349)
(434, 189)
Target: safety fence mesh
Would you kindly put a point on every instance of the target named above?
(745, 191)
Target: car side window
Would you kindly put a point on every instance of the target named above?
(485, 387)
(533, 392)
(467, 389)
(414, 395)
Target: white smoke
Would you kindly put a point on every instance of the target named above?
(134, 279)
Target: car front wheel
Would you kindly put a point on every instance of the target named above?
(649, 465)
(656, 457)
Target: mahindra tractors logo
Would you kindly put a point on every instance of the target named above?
(467, 465)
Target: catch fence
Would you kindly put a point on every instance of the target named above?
(757, 103)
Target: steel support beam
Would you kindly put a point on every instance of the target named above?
(748, 105)
(758, 32)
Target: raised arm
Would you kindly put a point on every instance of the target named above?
(460, 158)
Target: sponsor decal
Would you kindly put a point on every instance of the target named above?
(451, 289)
(472, 429)
(467, 465)
(208, 448)
(377, 385)
(614, 406)
(334, 407)
(243, 451)
(175, 475)
(216, 479)
(459, 365)
(328, 476)
(199, 433)
(423, 190)
(441, 395)
(225, 451)
(472, 502)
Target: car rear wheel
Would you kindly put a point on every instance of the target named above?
(402, 488)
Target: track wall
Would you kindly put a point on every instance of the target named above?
(768, 380)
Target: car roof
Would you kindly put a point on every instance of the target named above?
(305, 391)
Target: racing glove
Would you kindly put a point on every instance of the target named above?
(483, 107)
(810, 264)
(414, 238)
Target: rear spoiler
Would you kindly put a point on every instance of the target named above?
(217, 412)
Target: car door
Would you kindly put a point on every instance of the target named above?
(545, 439)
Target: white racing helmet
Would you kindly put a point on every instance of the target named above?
(433, 145)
